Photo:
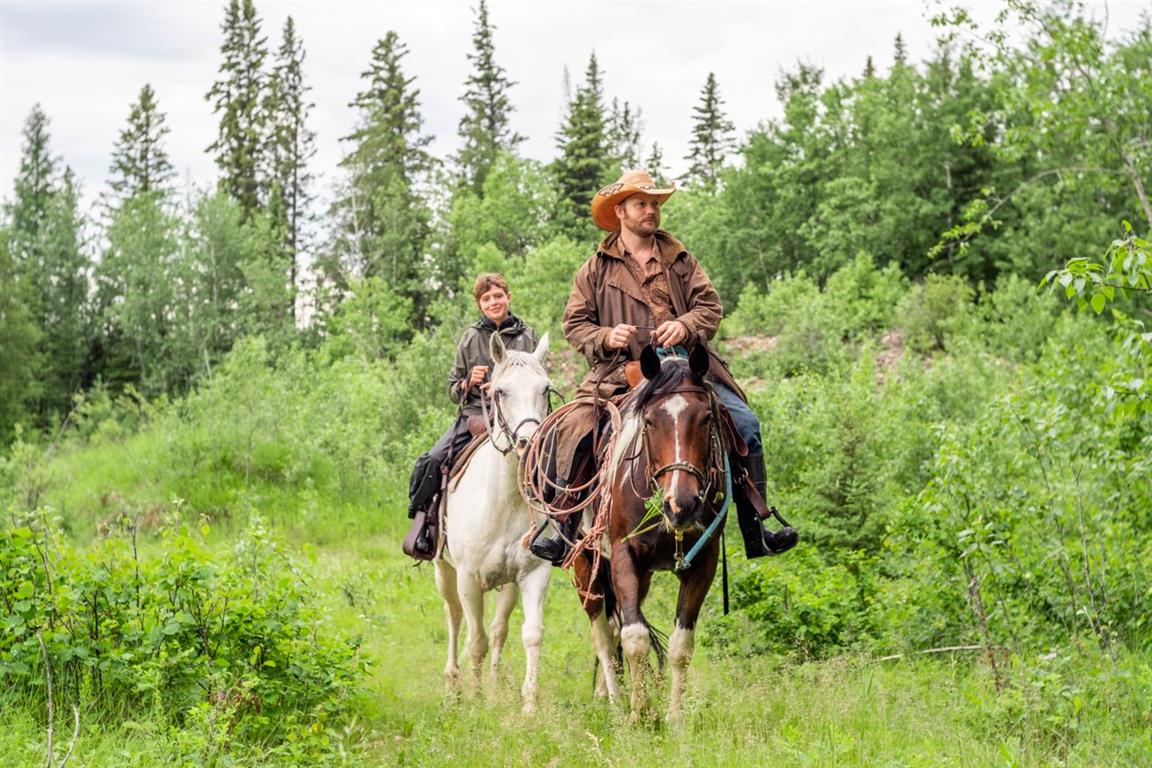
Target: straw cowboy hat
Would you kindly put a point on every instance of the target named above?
(631, 183)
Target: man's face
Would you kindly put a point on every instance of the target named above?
(494, 304)
(639, 214)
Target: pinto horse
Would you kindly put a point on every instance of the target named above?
(664, 504)
(487, 519)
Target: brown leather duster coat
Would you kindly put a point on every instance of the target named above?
(606, 293)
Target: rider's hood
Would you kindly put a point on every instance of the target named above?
(512, 325)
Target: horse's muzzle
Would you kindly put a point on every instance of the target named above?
(684, 514)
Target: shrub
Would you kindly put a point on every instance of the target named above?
(931, 312)
(170, 635)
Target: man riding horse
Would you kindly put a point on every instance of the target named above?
(643, 287)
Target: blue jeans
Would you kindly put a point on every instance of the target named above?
(746, 422)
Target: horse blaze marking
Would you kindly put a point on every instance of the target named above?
(673, 406)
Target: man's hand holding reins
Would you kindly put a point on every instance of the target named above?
(620, 336)
(670, 333)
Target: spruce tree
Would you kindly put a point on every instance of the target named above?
(34, 186)
(135, 280)
(238, 98)
(486, 125)
(654, 164)
(623, 134)
(585, 163)
(140, 162)
(46, 245)
(383, 223)
(711, 137)
(60, 279)
(900, 50)
(291, 146)
(20, 384)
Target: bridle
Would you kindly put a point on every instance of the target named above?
(505, 430)
(715, 445)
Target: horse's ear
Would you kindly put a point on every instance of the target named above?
(649, 362)
(542, 348)
(698, 360)
(496, 348)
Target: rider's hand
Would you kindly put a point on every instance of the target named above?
(670, 333)
(476, 377)
(619, 336)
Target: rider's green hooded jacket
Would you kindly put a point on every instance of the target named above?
(473, 350)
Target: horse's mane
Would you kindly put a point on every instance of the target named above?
(673, 372)
(514, 358)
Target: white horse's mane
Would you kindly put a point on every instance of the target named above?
(514, 358)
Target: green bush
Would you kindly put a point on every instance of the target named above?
(932, 312)
(803, 607)
(172, 635)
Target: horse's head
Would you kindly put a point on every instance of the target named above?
(519, 393)
(680, 435)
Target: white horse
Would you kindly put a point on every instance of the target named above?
(486, 520)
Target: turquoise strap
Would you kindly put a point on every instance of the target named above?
(710, 531)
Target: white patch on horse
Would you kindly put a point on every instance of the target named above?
(674, 406)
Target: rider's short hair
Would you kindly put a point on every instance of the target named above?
(486, 282)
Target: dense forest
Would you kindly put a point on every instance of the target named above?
(936, 280)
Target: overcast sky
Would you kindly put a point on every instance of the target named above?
(85, 62)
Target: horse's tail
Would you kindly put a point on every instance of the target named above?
(603, 583)
(659, 642)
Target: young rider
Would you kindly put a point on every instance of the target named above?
(466, 381)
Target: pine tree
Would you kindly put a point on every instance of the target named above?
(623, 134)
(585, 163)
(291, 146)
(485, 127)
(140, 162)
(60, 279)
(869, 68)
(383, 223)
(900, 50)
(46, 245)
(711, 137)
(34, 186)
(238, 98)
(654, 164)
(20, 384)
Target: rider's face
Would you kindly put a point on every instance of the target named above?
(639, 214)
(494, 304)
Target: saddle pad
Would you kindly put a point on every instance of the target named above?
(462, 459)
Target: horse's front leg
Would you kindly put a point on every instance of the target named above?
(635, 634)
(472, 598)
(694, 584)
(453, 612)
(509, 593)
(533, 586)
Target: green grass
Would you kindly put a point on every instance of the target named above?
(848, 711)
(739, 711)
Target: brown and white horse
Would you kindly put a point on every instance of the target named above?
(666, 498)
